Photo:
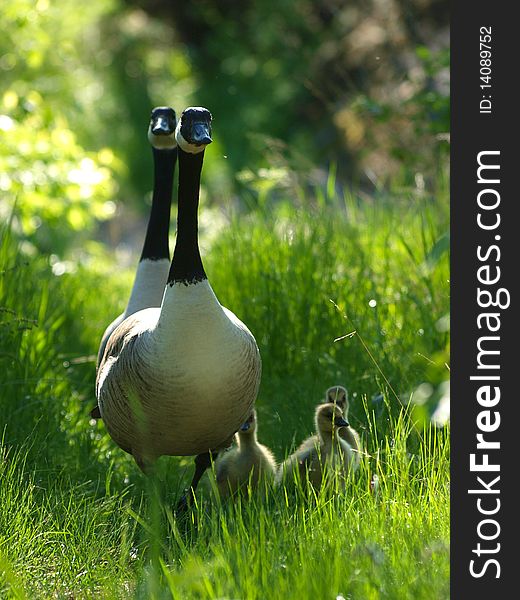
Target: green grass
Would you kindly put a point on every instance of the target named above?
(78, 520)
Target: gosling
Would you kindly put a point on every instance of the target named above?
(248, 463)
(338, 395)
(322, 451)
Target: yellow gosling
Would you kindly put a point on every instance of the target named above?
(325, 450)
(248, 462)
(338, 395)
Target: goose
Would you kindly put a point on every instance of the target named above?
(180, 379)
(325, 449)
(338, 395)
(154, 263)
(248, 462)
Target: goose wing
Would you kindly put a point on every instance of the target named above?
(125, 334)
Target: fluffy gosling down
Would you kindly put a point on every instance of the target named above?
(323, 451)
(248, 463)
(338, 395)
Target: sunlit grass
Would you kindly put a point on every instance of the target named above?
(63, 538)
(352, 292)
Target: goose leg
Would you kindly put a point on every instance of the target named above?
(95, 413)
(146, 465)
(202, 462)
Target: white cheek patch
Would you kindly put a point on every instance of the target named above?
(162, 142)
(186, 146)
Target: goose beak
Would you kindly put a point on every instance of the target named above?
(342, 423)
(161, 126)
(245, 426)
(201, 134)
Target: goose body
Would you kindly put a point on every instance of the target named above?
(323, 451)
(147, 291)
(338, 395)
(248, 463)
(180, 379)
(192, 398)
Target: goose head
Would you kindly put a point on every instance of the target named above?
(328, 419)
(161, 131)
(193, 131)
(249, 426)
(337, 395)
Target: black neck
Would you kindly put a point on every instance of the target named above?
(187, 265)
(155, 244)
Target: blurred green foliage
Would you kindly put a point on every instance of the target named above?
(363, 84)
(296, 89)
(59, 186)
(74, 107)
